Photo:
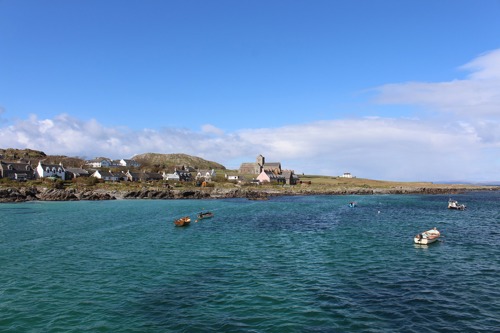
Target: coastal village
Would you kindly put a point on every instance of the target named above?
(62, 178)
(108, 170)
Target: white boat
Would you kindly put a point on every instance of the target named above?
(204, 215)
(453, 204)
(427, 237)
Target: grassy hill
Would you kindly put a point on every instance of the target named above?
(318, 182)
(33, 156)
(168, 161)
(12, 154)
(149, 161)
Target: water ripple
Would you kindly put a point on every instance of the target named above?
(291, 264)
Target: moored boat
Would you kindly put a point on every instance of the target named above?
(453, 204)
(183, 221)
(427, 237)
(205, 215)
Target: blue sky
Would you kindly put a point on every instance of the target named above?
(396, 90)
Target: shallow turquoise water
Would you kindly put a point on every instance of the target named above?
(290, 264)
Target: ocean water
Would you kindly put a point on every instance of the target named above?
(289, 264)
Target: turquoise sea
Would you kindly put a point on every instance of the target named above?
(289, 264)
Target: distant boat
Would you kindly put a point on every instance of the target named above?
(427, 237)
(205, 215)
(183, 221)
(352, 204)
(453, 204)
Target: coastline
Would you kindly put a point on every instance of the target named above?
(38, 193)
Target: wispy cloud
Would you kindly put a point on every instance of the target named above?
(373, 148)
(478, 95)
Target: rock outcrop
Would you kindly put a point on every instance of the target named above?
(45, 194)
(48, 194)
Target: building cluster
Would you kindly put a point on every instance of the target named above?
(261, 171)
(268, 172)
(107, 163)
(98, 168)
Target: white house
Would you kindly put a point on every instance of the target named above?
(129, 163)
(50, 170)
(106, 176)
(178, 175)
(232, 177)
(100, 163)
(346, 175)
(171, 176)
(207, 175)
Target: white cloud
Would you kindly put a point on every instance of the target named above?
(67, 135)
(485, 67)
(212, 129)
(374, 148)
(476, 95)
(397, 149)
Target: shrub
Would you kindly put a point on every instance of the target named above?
(6, 181)
(91, 181)
(58, 184)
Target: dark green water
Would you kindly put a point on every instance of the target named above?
(290, 264)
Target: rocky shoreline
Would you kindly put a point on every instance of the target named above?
(24, 194)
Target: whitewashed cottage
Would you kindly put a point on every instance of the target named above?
(171, 176)
(178, 175)
(50, 170)
(107, 176)
(129, 163)
(347, 175)
(206, 175)
(100, 163)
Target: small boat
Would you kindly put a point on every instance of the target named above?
(183, 221)
(205, 215)
(453, 204)
(427, 237)
(352, 204)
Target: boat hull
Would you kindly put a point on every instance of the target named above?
(183, 221)
(424, 241)
(427, 237)
(207, 215)
(453, 204)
